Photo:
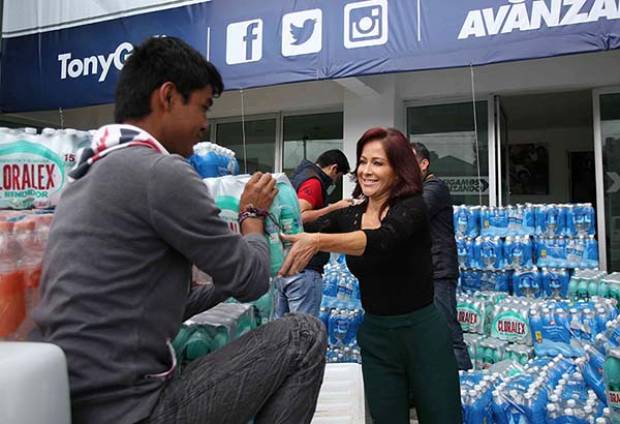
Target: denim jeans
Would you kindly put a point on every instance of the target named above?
(272, 374)
(300, 293)
(445, 301)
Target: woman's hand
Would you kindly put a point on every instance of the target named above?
(305, 246)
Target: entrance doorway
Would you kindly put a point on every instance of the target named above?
(583, 177)
(607, 133)
(546, 148)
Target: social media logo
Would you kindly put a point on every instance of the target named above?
(244, 42)
(302, 32)
(365, 23)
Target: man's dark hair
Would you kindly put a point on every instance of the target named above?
(421, 151)
(154, 62)
(331, 157)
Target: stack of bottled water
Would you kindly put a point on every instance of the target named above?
(23, 238)
(212, 329)
(573, 378)
(495, 327)
(285, 216)
(574, 401)
(341, 311)
(36, 166)
(611, 372)
(547, 240)
(543, 391)
(472, 280)
(473, 313)
(585, 284)
(518, 252)
(510, 321)
(211, 160)
(563, 327)
(476, 396)
(467, 221)
(564, 252)
(525, 282)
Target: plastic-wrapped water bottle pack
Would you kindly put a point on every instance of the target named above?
(341, 311)
(529, 283)
(522, 236)
(284, 214)
(544, 391)
(35, 167)
(211, 160)
(563, 326)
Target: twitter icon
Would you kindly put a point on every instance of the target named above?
(302, 32)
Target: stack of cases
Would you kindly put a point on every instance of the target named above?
(527, 250)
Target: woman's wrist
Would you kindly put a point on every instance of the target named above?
(317, 243)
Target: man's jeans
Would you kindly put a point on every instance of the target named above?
(272, 374)
(300, 293)
(445, 301)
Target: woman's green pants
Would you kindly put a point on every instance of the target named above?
(410, 357)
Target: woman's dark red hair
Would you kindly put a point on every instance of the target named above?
(401, 159)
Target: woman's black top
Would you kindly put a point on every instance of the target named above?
(396, 270)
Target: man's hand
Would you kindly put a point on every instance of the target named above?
(259, 192)
(305, 246)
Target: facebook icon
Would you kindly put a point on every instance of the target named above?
(244, 42)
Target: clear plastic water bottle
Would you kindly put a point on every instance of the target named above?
(31, 247)
(12, 294)
(330, 283)
(324, 313)
(591, 252)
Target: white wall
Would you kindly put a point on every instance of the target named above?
(315, 95)
(542, 75)
(380, 108)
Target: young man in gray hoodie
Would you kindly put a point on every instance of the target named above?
(116, 282)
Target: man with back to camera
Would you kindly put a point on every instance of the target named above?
(445, 260)
(314, 182)
(117, 269)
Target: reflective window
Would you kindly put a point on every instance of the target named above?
(260, 143)
(459, 159)
(307, 136)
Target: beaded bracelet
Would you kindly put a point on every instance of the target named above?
(252, 212)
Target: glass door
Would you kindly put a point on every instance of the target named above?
(457, 137)
(607, 161)
(545, 148)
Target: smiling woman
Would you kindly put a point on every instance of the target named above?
(388, 245)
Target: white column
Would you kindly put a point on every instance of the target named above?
(379, 106)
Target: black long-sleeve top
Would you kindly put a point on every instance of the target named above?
(396, 269)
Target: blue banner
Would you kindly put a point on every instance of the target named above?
(261, 43)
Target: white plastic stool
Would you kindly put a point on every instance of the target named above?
(34, 385)
(341, 399)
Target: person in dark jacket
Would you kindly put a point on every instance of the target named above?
(313, 183)
(445, 261)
